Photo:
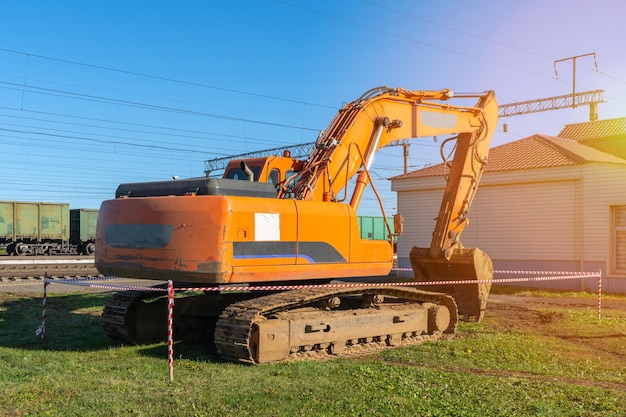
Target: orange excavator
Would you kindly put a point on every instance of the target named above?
(281, 221)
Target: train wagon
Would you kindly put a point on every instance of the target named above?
(83, 230)
(34, 228)
(40, 228)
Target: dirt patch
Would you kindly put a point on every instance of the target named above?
(559, 301)
(512, 314)
(528, 311)
(546, 317)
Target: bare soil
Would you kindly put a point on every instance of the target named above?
(543, 318)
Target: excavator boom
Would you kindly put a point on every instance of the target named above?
(383, 115)
(380, 116)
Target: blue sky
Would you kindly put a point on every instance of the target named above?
(93, 94)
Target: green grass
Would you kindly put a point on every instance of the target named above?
(570, 366)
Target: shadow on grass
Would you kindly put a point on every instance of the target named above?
(201, 351)
(74, 323)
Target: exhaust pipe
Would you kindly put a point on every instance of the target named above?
(245, 168)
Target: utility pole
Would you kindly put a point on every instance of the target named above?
(574, 58)
(405, 146)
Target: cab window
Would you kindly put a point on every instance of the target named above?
(274, 177)
(238, 174)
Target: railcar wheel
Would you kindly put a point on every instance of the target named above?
(20, 249)
(90, 249)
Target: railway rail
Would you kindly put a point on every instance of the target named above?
(14, 269)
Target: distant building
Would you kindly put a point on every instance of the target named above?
(544, 203)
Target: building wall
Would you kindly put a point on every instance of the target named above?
(604, 187)
(529, 220)
(544, 219)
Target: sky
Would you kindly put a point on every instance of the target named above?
(94, 93)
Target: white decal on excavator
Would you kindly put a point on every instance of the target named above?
(266, 227)
(438, 119)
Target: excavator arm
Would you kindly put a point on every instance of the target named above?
(446, 259)
(463, 174)
(383, 115)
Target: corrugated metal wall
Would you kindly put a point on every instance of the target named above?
(515, 221)
(559, 216)
(527, 221)
(604, 186)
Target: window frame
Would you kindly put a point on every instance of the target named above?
(618, 239)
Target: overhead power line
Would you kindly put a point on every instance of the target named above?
(157, 77)
(411, 40)
(453, 29)
(101, 99)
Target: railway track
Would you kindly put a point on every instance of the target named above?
(36, 268)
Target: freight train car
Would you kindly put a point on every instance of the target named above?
(83, 230)
(36, 228)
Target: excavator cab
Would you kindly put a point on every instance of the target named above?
(272, 169)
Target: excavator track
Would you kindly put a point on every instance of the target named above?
(311, 324)
(139, 317)
(300, 325)
(120, 321)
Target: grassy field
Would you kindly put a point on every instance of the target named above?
(545, 355)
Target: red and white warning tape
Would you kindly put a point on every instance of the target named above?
(394, 284)
(86, 282)
(523, 272)
(599, 294)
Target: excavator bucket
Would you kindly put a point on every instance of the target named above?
(465, 264)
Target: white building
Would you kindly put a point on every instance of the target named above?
(544, 203)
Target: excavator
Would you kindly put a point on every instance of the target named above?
(280, 223)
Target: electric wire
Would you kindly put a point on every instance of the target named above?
(73, 135)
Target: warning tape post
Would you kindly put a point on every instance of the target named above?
(535, 276)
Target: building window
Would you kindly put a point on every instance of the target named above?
(619, 239)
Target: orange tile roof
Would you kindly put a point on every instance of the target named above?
(594, 130)
(537, 151)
